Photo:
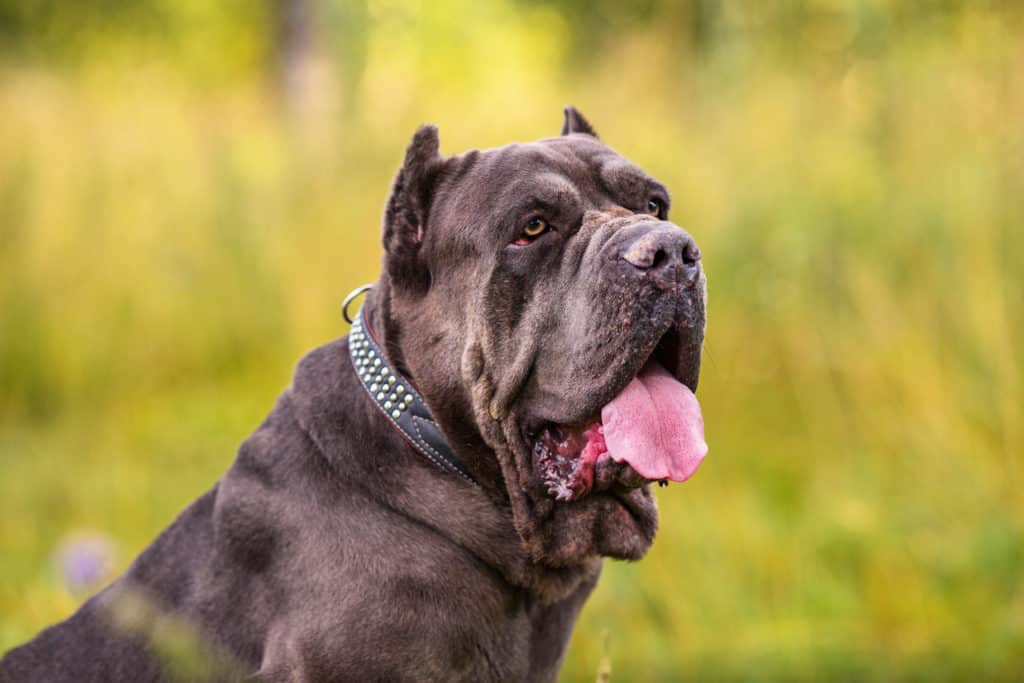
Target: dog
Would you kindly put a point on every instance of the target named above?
(432, 496)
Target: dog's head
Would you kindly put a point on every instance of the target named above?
(552, 317)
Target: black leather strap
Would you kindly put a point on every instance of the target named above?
(401, 404)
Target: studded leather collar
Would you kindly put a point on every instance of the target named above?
(394, 395)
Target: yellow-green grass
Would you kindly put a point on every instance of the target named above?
(167, 251)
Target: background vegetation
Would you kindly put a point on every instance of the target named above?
(187, 190)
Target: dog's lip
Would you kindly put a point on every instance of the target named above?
(572, 463)
(668, 352)
(666, 349)
(574, 478)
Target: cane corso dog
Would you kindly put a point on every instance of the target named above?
(432, 496)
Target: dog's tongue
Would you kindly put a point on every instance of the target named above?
(655, 425)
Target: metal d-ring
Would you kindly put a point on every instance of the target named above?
(352, 297)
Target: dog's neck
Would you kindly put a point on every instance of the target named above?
(395, 396)
(410, 354)
(495, 541)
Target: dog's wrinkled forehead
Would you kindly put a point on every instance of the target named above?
(559, 178)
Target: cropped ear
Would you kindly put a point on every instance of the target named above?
(406, 213)
(575, 123)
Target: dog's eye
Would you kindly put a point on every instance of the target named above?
(534, 228)
(655, 207)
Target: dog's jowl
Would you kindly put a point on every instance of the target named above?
(431, 498)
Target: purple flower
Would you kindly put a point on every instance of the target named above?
(84, 561)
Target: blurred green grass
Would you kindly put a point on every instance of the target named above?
(170, 244)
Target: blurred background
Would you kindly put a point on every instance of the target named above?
(188, 189)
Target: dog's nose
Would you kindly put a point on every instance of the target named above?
(662, 250)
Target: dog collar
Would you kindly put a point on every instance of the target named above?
(401, 404)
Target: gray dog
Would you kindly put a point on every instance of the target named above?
(431, 497)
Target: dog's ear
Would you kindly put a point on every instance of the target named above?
(406, 214)
(575, 123)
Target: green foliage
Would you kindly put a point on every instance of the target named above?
(173, 236)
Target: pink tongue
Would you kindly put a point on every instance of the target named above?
(654, 424)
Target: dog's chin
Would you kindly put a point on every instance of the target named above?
(617, 524)
(613, 520)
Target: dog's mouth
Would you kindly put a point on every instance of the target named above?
(652, 430)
